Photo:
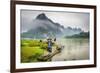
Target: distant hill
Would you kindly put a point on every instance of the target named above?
(42, 27)
(80, 35)
(71, 31)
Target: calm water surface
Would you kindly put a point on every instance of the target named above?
(74, 49)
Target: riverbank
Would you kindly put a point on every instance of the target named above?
(32, 50)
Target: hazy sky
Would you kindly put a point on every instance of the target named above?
(72, 19)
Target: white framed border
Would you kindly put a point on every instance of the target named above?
(53, 64)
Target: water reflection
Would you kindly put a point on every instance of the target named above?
(74, 49)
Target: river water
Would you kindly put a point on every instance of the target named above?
(74, 49)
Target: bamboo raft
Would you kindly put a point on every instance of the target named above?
(49, 56)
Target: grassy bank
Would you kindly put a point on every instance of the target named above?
(31, 50)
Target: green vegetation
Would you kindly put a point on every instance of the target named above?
(31, 50)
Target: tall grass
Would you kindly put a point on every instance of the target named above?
(31, 50)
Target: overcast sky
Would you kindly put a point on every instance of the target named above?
(72, 19)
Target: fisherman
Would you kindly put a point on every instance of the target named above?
(50, 43)
(54, 39)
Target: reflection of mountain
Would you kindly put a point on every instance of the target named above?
(42, 27)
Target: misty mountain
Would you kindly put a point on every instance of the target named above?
(42, 27)
(71, 31)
